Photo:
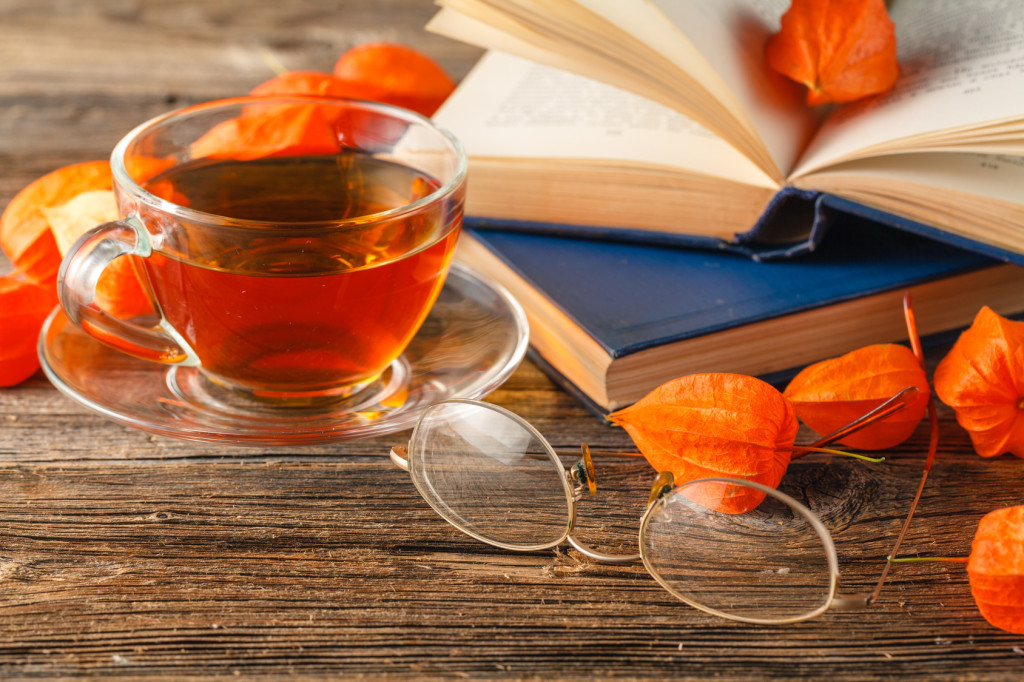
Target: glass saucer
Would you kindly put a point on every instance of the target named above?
(472, 340)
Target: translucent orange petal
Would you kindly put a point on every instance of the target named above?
(270, 131)
(841, 50)
(714, 425)
(306, 83)
(995, 568)
(982, 379)
(395, 74)
(24, 232)
(830, 394)
(23, 308)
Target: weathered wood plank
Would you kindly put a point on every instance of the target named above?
(297, 566)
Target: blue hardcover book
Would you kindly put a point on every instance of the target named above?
(612, 320)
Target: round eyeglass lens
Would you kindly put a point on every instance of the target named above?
(491, 475)
(773, 564)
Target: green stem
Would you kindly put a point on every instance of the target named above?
(922, 559)
(804, 449)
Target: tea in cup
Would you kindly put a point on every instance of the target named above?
(291, 246)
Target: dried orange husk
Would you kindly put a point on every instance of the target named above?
(143, 168)
(36, 248)
(306, 83)
(841, 50)
(118, 290)
(25, 234)
(995, 568)
(265, 130)
(24, 306)
(395, 74)
(830, 394)
(147, 172)
(718, 424)
(982, 379)
(270, 130)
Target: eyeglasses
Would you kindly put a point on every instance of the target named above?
(494, 477)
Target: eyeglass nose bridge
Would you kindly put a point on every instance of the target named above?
(583, 478)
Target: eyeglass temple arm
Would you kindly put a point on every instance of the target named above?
(584, 474)
(850, 602)
(856, 602)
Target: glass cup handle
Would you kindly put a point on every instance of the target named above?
(76, 287)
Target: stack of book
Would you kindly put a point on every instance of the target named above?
(661, 203)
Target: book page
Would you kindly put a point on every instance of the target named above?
(620, 42)
(990, 176)
(962, 66)
(973, 195)
(731, 35)
(512, 108)
(492, 30)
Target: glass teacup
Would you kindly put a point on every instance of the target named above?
(290, 246)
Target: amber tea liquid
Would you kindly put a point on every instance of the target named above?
(286, 309)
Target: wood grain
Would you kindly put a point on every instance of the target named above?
(129, 555)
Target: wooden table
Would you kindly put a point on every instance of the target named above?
(127, 554)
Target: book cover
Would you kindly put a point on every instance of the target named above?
(618, 318)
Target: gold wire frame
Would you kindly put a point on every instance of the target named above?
(828, 546)
(581, 477)
(408, 460)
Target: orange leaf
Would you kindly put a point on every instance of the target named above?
(982, 379)
(395, 74)
(832, 393)
(995, 568)
(841, 50)
(705, 425)
(23, 309)
(24, 231)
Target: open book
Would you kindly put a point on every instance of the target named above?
(660, 118)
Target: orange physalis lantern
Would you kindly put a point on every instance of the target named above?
(841, 50)
(982, 379)
(46, 217)
(25, 234)
(995, 568)
(23, 308)
(705, 425)
(282, 129)
(829, 394)
(395, 74)
(270, 130)
(305, 83)
(379, 72)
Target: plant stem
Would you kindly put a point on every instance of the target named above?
(800, 450)
(933, 443)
